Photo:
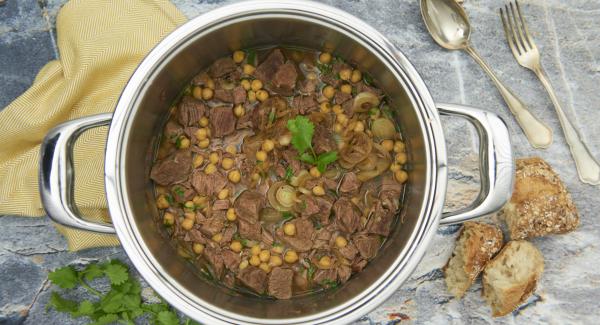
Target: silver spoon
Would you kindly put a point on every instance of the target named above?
(449, 26)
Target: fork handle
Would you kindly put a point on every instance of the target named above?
(538, 134)
(588, 168)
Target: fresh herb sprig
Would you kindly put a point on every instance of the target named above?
(122, 303)
(302, 130)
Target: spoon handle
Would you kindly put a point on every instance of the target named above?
(538, 134)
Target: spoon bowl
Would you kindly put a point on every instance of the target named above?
(447, 23)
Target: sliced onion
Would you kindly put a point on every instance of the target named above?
(281, 196)
(383, 128)
(358, 148)
(368, 163)
(300, 179)
(364, 101)
(382, 166)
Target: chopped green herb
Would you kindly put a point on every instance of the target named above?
(277, 244)
(286, 215)
(317, 224)
(302, 130)
(368, 80)
(328, 283)
(169, 198)
(324, 68)
(178, 142)
(271, 117)
(303, 205)
(387, 111)
(179, 191)
(251, 57)
(289, 173)
(373, 111)
(311, 271)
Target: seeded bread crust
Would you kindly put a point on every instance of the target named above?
(540, 203)
(512, 276)
(476, 245)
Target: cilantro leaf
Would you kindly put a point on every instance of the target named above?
(64, 277)
(92, 271)
(302, 132)
(106, 319)
(325, 159)
(286, 215)
(85, 308)
(167, 317)
(307, 157)
(289, 173)
(61, 304)
(250, 57)
(117, 274)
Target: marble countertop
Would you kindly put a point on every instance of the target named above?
(566, 33)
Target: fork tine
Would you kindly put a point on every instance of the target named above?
(512, 27)
(518, 27)
(508, 35)
(524, 24)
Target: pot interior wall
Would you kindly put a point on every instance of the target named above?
(195, 55)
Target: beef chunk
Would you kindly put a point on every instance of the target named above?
(285, 78)
(301, 241)
(183, 192)
(350, 183)
(228, 235)
(224, 95)
(325, 205)
(253, 278)
(190, 110)
(359, 265)
(344, 272)
(346, 214)
(367, 245)
(239, 95)
(208, 184)
(348, 252)
(221, 205)
(222, 67)
(308, 205)
(249, 230)
(291, 158)
(324, 277)
(248, 205)
(194, 235)
(231, 260)
(305, 104)
(280, 283)
(212, 226)
(215, 259)
(323, 140)
(229, 280)
(308, 86)
(381, 220)
(222, 121)
(267, 69)
(342, 97)
(173, 169)
(259, 117)
(331, 79)
(201, 79)
(172, 130)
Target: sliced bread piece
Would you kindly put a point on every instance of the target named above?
(477, 243)
(511, 277)
(540, 203)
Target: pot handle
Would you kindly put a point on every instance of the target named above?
(496, 163)
(56, 173)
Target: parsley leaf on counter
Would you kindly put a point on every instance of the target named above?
(302, 130)
(122, 303)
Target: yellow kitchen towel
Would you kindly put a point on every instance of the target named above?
(100, 43)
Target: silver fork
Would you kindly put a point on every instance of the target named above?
(527, 54)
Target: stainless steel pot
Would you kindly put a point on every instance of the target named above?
(140, 115)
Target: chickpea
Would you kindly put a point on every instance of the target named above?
(251, 96)
(162, 202)
(341, 241)
(359, 127)
(255, 250)
(198, 161)
(227, 163)
(289, 229)
(268, 145)
(187, 224)
(183, 143)
(204, 143)
(261, 155)
(395, 167)
(401, 176)
(285, 139)
(200, 200)
(197, 92)
(314, 172)
(401, 158)
(337, 128)
(198, 248)
(254, 260)
(346, 88)
(290, 256)
(325, 107)
(262, 95)
(277, 249)
(399, 146)
(168, 219)
(231, 214)
(238, 56)
(264, 255)
(236, 246)
(217, 237)
(275, 261)
(325, 262)
(256, 85)
(325, 57)
(239, 110)
(213, 158)
(328, 92)
(345, 74)
(246, 84)
(223, 194)
(231, 149)
(210, 169)
(201, 134)
(234, 176)
(265, 267)
(207, 93)
(255, 176)
(189, 205)
(356, 76)
(248, 68)
(189, 215)
(210, 84)
(318, 190)
(203, 121)
(342, 119)
(337, 109)
(243, 264)
(388, 145)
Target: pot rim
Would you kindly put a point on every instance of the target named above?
(436, 177)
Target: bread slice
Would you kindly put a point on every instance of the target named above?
(540, 203)
(477, 243)
(511, 277)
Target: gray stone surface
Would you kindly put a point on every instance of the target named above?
(566, 33)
